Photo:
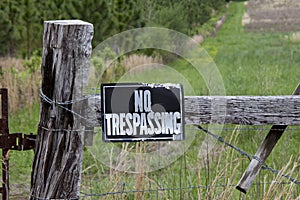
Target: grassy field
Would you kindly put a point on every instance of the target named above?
(250, 64)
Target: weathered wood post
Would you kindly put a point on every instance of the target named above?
(262, 154)
(58, 155)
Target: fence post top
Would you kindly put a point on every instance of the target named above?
(68, 22)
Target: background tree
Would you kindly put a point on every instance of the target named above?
(170, 15)
(125, 15)
(21, 21)
(199, 11)
(9, 19)
(96, 12)
(29, 22)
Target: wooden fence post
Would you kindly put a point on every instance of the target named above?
(59, 146)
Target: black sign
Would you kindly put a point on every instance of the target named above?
(142, 112)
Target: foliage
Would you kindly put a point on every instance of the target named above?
(9, 35)
(30, 19)
(170, 17)
(21, 22)
(183, 16)
(103, 66)
(34, 63)
(125, 15)
(98, 14)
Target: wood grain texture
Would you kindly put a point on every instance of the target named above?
(58, 153)
(247, 110)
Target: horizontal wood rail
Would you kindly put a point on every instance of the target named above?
(247, 110)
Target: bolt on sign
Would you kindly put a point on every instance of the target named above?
(142, 112)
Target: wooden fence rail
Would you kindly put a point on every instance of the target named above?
(247, 110)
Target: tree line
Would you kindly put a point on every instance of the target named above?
(21, 21)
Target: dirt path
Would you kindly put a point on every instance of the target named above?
(272, 15)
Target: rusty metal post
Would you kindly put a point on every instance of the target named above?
(4, 132)
(14, 141)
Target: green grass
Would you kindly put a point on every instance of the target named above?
(254, 64)
(250, 64)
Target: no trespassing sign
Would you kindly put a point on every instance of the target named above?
(142, 112)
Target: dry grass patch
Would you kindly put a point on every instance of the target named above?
(137, 63)
(23, 86)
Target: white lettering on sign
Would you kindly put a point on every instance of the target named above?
(142, 101)
(143, 121)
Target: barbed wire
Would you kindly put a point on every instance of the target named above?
(124, 192)
(249, 156)
(68, 102)
(65, 130)
(42, 198)
(246, 128)
(220, 139)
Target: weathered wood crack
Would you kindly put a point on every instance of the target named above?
(248, 110)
